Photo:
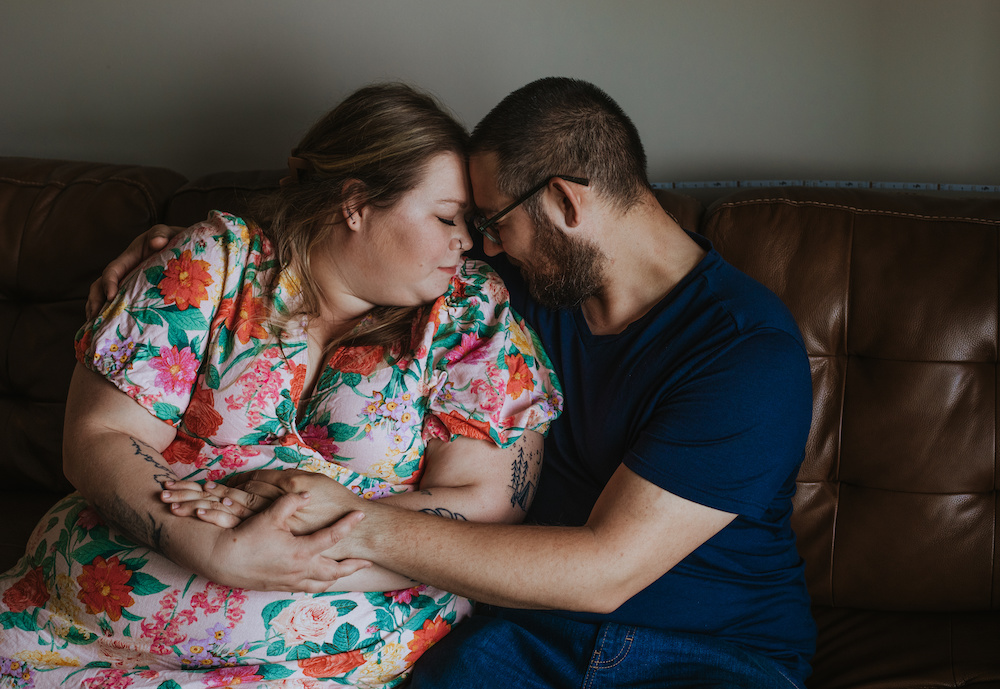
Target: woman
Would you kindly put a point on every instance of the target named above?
(316, 338)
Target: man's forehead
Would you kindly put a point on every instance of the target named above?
(483, 175)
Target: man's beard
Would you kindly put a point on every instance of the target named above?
(564, 270)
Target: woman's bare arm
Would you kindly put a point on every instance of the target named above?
(113, 455)
(465, 480)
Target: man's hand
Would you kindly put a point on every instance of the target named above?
(141, 248)
(263, 554)
(251, 493)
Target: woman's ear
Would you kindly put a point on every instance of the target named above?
(353, 193)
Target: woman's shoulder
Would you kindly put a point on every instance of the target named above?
(225, 233)
(474, 284)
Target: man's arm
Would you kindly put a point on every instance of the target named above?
(464, 480)
(112, 454)
(141, 248)
(636, 532)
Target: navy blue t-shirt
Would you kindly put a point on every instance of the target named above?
(708, 396)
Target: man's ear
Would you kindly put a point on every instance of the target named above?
(571, 200)
(354, 194)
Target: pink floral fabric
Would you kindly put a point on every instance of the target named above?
(185, 339)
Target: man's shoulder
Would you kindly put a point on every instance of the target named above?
(749, 306)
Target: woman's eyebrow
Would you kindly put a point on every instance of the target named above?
(457, 202)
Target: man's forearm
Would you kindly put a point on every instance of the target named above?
(510, 565)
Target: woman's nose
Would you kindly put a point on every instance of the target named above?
(461, 241)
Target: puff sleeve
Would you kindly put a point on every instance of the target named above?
(152, 339)
(490, 377)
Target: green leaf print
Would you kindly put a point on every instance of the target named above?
(148, 316)
(166, 412)
(130, 616)
(344, 606)
(212, 377)
(376, 598)
(145, 585)
(80, 637)
(342, 432)
(286, 411)
(21, 620)
(351, 379)
(188, 319)
(272, 671)
(40, 552)
(277, 647)
(87, 553)
(178, 337)
(384, 620)
(288, 455)
(271, 610)
(169, 684)
(154, 274)
(417, 621)
(135, 564)
(346, 637)
(298, 653)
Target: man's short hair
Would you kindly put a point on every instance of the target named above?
(563, 126)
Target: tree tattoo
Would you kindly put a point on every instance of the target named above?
(524, 477)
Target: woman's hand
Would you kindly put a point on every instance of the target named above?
(261, 553)
(227, 506)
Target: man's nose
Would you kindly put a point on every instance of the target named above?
(491, 248)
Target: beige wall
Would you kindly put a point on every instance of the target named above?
(888, 90)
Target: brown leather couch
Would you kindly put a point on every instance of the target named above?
(897, 297)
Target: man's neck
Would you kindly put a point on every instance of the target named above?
(648, 255)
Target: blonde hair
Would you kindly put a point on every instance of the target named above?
(371, 149)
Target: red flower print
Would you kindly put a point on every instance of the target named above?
(201, 418)
(104, 587)
(461, 425)
(89, 518)
(298, 381)
(432, 632)
(83, 344)
(30, 592)
(231, 676)
(177, 368)
(519, 376)
(244, 316)
(318, 438)
(184, 281)
(185, 450)
(470, 350)
(331, 666)
(361, 360)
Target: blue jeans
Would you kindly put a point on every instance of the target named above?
(512, 649)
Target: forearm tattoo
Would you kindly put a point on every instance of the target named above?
(163, 472)
(141, 528)
(444, 512)
(524, 476)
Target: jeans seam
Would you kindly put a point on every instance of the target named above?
(622, 654)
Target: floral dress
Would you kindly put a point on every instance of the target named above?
(184, 338)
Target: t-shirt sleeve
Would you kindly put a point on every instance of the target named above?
(490, 377)
(733, 434)
(151, 340)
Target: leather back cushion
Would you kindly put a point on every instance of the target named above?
(60, 224)
(897, 300)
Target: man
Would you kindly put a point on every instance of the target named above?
(660, 551)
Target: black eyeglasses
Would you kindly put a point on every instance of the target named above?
(481, 224)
